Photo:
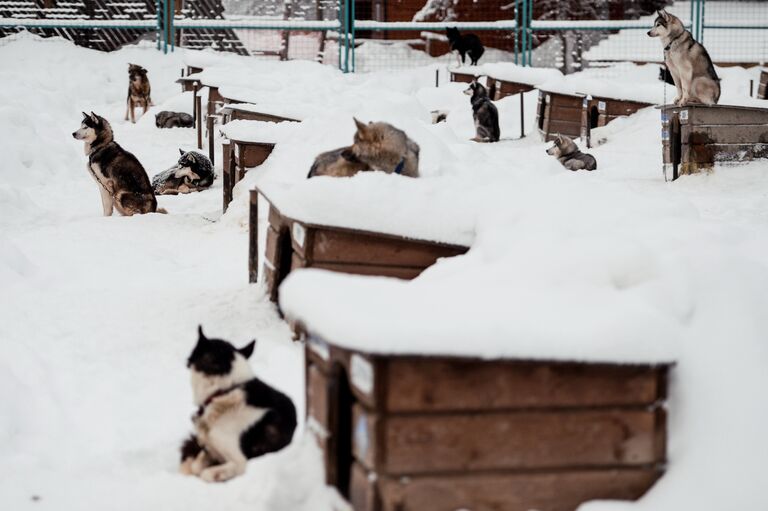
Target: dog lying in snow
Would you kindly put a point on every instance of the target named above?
(238, 417)
(192, 173)
(166, 119)
(339, 162)
(567, 153)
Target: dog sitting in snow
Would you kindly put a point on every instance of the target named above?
(192, 173)
(484, 112)
(122, 181)
(383, 147)
(465, 45)
(567, 153)
(238, 417)
(339, 162)
(138, 91)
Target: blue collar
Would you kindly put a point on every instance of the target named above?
(400, 166)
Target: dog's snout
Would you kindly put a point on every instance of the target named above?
(74, 134)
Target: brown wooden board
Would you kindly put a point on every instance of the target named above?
(317, 396)
(251, 154)
(499, 89)
(722, 114)
(339, 246)
(432, 443)
(711, 153)
(428, 384)
(462, 77)
(724, 134)
(227, 167)
(551, 491)
(253, 237)
(762, 89)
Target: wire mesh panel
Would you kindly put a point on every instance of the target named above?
(276, 29)
(734, 31)
(409, 33)
(99, 24)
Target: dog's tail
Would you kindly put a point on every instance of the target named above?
(162, 211)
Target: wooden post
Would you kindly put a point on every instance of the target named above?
(751, 87)
(522, 116)
(226, 175)
(253, 245)
(199, 107)
(195, 87)
(210, 123)
(437, 76)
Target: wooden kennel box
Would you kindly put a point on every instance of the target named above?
(292, 244)
(237, 157)
(575, 115)
(696, 137)
(438, 433)
(463, 77)
(500, 89)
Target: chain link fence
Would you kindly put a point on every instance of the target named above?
(374, 35)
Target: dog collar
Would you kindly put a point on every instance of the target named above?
(400, 166)
(667, 47)
(209, 399)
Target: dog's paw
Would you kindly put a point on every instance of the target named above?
(218, 474)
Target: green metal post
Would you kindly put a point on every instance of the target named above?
(529, 18)
(352, 33)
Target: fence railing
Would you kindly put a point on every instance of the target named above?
(736, 32)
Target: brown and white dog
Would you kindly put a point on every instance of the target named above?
(138, 91)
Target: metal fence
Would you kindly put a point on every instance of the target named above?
(369, 35)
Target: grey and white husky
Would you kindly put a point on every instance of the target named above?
(192, 173)
(383, 147)
(567, 153)
(688, 62)
(484, 112)
(238, 417)
(122, 181)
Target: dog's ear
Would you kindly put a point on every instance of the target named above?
(200, 335)
(95, 118)
(85, 116)
(663, 13)
(247, 350)
(191, 157)
(361, 126)
(348, 155)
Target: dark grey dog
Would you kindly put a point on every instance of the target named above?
(485, 113)
(567, 152)
(192, 173)
(166, 119)
(339, 162)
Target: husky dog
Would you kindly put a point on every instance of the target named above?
(484, 112)
(192, 173)
(138, 91)
(568, 154)
(122, 181)
(339, 162)
(383, 147)
(166, 119)
(238, 416)
(687, 61)
(465, 44)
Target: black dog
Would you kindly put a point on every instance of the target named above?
(665, 75)
(465, 44)
(166, 119)
(485, 113)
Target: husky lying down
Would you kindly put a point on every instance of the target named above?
(192, 173)
(239, 416)
(567, 153)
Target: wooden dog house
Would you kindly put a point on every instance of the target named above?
(237, 156)
(292, 244)
(423, 433)
(696, 137)
(576, 114)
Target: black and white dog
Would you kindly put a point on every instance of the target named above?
(484, 112)
(465, 44)
(238, 417)
(192, 173)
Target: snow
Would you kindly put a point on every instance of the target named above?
(257, 131)
(98, 314)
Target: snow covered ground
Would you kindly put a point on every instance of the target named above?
(97, 315)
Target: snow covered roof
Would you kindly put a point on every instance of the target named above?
(420, 209)
(431, 317)
(257, 131)
(511, 72)
(648, 92)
